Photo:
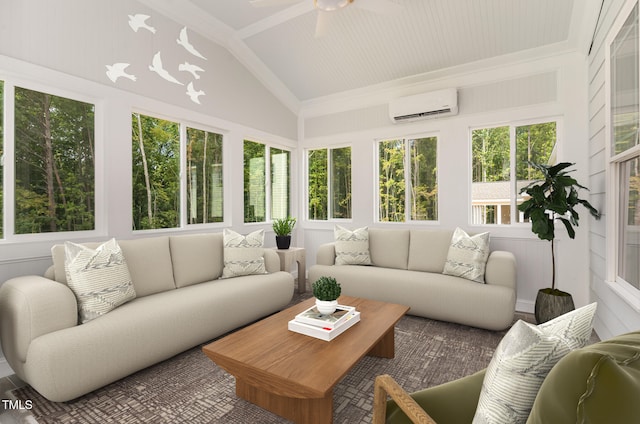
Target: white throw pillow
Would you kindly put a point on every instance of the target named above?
(522, 361)
(99, 278)
(243, 255)
(467, 256)
(352, 247)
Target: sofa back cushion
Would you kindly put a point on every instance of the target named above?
(428, 250)
(196, 258)
(148, 260)
(389, 248)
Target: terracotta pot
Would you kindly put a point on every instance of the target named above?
(551, 303)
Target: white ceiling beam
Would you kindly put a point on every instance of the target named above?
(275, 19)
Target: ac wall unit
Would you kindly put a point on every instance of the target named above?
(426, 105)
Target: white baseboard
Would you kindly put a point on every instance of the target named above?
(525, 306)
(5, 369)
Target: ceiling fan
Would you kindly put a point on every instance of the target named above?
(325, 7)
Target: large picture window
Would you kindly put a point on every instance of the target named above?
(408, 179)
(624, 151)
(329, 189)
(157, 185)
(500, 168)
(267, 180)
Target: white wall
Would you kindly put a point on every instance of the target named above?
(536, 89)
(615, 314)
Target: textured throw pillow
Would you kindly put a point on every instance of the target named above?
(352, 247)
(467, 256)
(99, 278)
(522, 361)
(243, 255)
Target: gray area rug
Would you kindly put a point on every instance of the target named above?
(190, 388)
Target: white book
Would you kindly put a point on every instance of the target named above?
(313, 317)
(324, 333)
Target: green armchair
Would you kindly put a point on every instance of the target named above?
(599, 383)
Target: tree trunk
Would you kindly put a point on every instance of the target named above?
(146, 172)
(205, 212)
(48, 162)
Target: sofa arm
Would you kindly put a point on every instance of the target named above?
(501, 269)
(326, 254)
(31, 306)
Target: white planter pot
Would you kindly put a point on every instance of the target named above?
(326, 307)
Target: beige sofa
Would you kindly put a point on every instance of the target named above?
(407, 268)
(180, 303)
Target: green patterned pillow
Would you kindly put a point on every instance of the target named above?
(99, 278)
(352, 247)
(522, 361)
(243, 255)
(467, 256)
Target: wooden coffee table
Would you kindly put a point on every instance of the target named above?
(293, 375)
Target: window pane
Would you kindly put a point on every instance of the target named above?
(318, 200)
(341, 183)
(424, 179)
(490, 175)
(629, 230)
(55, 162)
(280, 181)
(204, 177)
(1, 159)
(624, 85)
(534, 143)
(254, 182)
(155, 172)
(391, 181)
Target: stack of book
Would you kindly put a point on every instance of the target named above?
(324, 327)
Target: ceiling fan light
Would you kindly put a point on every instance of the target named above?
(330, 5)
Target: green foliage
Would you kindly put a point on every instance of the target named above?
(283, 226)
(326, 288)
(204, 177)
(330, 175)
(553, 197)
(254, 181)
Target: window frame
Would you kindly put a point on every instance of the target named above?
(183, 221)
(330, 197)
(8, 161)
(407, 178)
(513, 195)
(613, 165)
(268, 188)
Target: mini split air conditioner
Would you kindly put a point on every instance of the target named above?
(422, 106)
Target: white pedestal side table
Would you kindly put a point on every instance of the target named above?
(287, 257)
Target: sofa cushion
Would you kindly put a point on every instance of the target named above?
(352, 247)
(389, 248)
(196, 258)
(522, 361)
(149, 261)
(428, 250)
(467, 256)
(99, 278)
(243, 255)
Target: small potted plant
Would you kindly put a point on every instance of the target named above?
(326, 290)
(552, 198)
(283, 228)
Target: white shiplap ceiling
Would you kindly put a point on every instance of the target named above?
(361, 48)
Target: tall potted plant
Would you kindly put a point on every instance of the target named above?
(552, 198)
(283, 229)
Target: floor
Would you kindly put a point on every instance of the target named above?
(12, 413)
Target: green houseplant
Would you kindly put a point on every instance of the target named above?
(283, 227)
(552, 198)
(326, 290)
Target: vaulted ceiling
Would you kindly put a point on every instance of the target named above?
(368, 44)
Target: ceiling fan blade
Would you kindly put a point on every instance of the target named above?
(322, 23)
(269, 3)
(382, 7)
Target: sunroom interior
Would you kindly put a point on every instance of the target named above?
(293, 102)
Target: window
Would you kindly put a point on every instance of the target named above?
(408, 180)
(494, 197)
(624, 152)
(53, 163)
(156, 183)
(329, 177)
(262, 194)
